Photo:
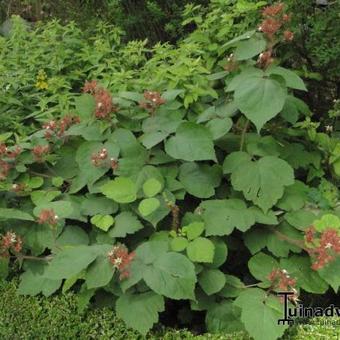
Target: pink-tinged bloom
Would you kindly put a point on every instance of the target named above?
(121, 259)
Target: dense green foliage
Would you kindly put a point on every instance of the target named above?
(58, 317)
(189, 177)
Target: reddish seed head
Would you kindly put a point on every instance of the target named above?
(288, 35)
(48, 216)
(121, 259)
(10, 241)
(90, 87)
(273, 10)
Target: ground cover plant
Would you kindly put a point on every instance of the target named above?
(210, 203)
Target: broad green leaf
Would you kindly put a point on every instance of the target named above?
(94, 205)
(179, 244)
(201, 250)
(149, 251)
(99, 273)
(200, 180)
(152, 187)
(258, 315)
(193, 230)
(10, 214)
(261, 265)
(125, 223)
(62, 209)
(246, 49)
(233, 287)
(57, 181)
(218, 127)
(263, 182)
(211, 281)
(294, 198)
(40, 197)
(330, 273)
(85, 106)
(220, 254)
(309, 280)
(148, 206)
(291, 78)
(35, 182)
(256, 239)
(300, 219)
(103, 222)
(171, 275)
(71, 261)
(121, 190)
(192, 142)
(33, 281)
(223, 317)
(72, 236)
(260, 99)
(140, 311)
(222, 216)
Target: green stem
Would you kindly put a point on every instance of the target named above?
(243, 135)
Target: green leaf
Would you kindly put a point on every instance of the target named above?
(33, 281)
(62, 209)
(126, 223)
(192, 142)
(94, 205)
(152, 187)
(85, 106)
(299, 267)
(291, 78)
(220, 254)
(72, 236)
(249, 48)
(223, 317)
(148, 206)
(218, 127)
(258, 315)
(327, 221)
(300, 219)
(201, 250)
(211, 281)
(263, 182)
(171, 275)
(261, 265)
(140, 311)
(15, 214)
(71, 261)
(179, 244)
(260, 99)
(40, 197)
(193, 230)
(99, 273)
(200, 180)
(222, 216)
(330, 273)
(121, 190)
(57, 181)
(103, 222)
(35, 182)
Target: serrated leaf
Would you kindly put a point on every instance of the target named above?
(40, 196)
(192, 142)
(327, 221)
(330, 273)
(72, 236)
(193, 230)
(222, 216)
(258, 316)
(171, 275)
(263, 182)
(62, 209)
(211, 281)
(260, 99)
(201, 250)
(71, 261)
(94, 205)
(218, 127)
(140, 311)
(103, 222)
(125, 223)
(248, 48)
(178, 244)
(200, 180)
(121, 190)
(85, 105)
(291, 78)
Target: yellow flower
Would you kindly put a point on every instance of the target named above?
(41, 83)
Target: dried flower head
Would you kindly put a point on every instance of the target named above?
(121, 259)
(48, 216)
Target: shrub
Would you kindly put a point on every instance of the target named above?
(212, 207)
